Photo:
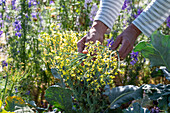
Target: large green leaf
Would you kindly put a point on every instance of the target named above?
(59, 97)
(123, 94)
(12, 102)
(158, 50)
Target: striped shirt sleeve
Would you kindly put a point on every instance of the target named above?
(153, 16)
(108, 11)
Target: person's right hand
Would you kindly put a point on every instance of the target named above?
(96, 33)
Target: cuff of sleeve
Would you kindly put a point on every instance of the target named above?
(106, 23)
(137, 24)
(108, 12)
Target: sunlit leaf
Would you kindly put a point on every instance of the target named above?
(12, 101)
(158, 50)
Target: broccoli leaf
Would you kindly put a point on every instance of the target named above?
(158, 50)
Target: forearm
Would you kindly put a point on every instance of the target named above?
(108, 11)
(153, 16)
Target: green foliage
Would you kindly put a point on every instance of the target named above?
(55, 73)
(159, 92)
(136, 108)
(123, 94)
(12, 102)
(157, 72)
(59, 97)
(158, 50)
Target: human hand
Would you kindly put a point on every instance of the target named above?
(127, 38)
(96, 33)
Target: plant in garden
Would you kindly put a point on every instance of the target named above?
(86, 81)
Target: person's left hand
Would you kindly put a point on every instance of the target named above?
(127, 38)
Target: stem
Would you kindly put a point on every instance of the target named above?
(6, 83)
(10, 93)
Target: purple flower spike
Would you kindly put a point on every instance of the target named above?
(124, 5)
(13, 4)
(51, 2)
(34, 15)
(18, 34)
(134, 57)
(110, 42)
(139, 11)
(1, 33)
(4, 63)
(29, 4)
(27, 93)
(0, 15)
(16, 90)
(168, 21)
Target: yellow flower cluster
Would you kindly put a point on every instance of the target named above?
(91, 71)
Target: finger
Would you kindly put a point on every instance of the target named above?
(89, 37)
(123, 48)
(129, 49)
(116, 43)
(81, 44)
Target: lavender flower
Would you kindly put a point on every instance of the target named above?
(110, 42)
(17, 27)
(168, 21)
(4, 63)
(1, 23)
(87, 2)
(124, 5)
(155, 110)
(93, 12)
(2, 2)
(0, 15)
(32, 2)
(134, 58)
(29, 4)
(1, 33)
(139, 11)
(13, 4)
(34, 15)
(18, 34)
(16, 90)
(51, 2)
(27, 93)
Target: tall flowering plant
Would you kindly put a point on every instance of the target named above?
(85, 74)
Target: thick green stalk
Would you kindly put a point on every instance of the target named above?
(6, 83)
